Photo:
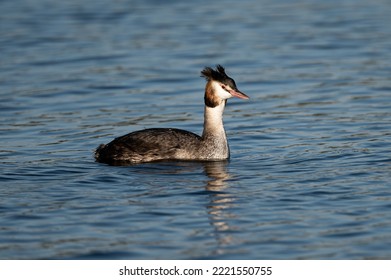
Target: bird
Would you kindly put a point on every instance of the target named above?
(159, 144)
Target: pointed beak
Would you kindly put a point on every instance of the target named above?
(237, 93)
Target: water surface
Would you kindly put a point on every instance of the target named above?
(309, 174)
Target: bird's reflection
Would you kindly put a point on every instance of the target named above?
(221, 201)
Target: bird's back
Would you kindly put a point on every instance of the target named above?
(150, 145)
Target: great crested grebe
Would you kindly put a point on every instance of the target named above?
(175, 144)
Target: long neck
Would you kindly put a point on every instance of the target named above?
(213, 121)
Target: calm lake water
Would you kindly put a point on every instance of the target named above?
(310, 169)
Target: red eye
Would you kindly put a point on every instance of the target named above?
(224, 88)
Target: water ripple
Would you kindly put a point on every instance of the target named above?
(309, 172)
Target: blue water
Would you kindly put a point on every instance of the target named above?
(310, 168)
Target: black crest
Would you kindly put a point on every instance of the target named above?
(218, 75)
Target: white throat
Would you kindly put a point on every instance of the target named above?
(213, 120)
(213, 136)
